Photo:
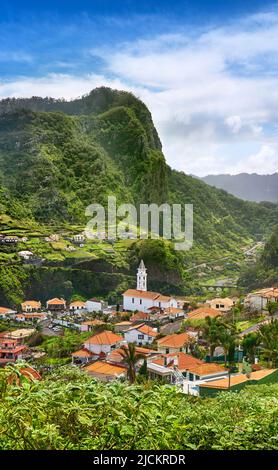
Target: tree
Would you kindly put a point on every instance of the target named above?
(227, 338)
(269, 340)
(250, 343)
(272, 308)
(212, 331)
(130, 357)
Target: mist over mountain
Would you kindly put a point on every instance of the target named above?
(250, 187)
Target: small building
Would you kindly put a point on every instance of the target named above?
(122, 326)
(89, 325)
(82, 356)
(174, 343)
(25, 255)
(140, 317)
(95, 305)
(235, 383)
(180, 360)
(77, 306)
(11, 350)
(174, 313)
(203, 312)
(20, 335)
(106, 372)
(115, 356)
(205, 371)
(141, 334)
(6, 313)
(221, 305)
(257, 301)
(36, 316)
(56, 305)
(31, 306)
(103, 342)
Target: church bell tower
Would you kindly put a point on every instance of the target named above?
(142, 277)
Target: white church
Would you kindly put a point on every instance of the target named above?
(141, 299)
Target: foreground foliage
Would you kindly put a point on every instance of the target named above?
(69, 410)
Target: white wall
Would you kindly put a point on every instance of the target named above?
(98, 348)
(137, 305)
(133, 336)
(92, 306)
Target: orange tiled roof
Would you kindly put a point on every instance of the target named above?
(185, 361)
(139, 316)
(95, 322)
(31, 303)
(56, 301)
(145, 329)
(4, 310)
(163, 298)
(141, 294)
(207, 368)
(77, 303)
(104, 368)
(117, 357)
(237, 379)
(175, 340)
(105, 337)
(173, 310)
(203, 312)
(82, 353)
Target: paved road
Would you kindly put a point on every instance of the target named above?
(48, 331)
(171, 327)
(257, 326)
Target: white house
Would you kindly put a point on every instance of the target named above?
(103, 342)
(94, 305)
(77, 306)
(141, 299)
(258, 300)
(6, 312)
(140, 334)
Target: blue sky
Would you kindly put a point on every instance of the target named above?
(206, 69)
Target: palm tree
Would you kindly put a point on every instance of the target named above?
(212, 331)
(130, 357)
(227, 339)
(250, 343)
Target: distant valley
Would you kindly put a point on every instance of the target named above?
(251, 187)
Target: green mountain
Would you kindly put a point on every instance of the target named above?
(265, 271)
(57, 157)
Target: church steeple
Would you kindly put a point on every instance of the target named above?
(142, 277)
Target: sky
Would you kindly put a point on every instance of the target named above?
(207, 70)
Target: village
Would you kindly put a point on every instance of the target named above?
(201, 348)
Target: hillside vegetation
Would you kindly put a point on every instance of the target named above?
(70, 410)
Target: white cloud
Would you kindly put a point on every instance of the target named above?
(211, 94)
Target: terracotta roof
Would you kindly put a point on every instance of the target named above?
(237, 379)
(175, 340)
(203, 312)
(185, 361)
(141, 293)
(4, 310)
(173, 310)
(56, 301)
(115, 356)
(104, 368)
(123, 323)
(31, 303)
(105, 337)
(94, 300)
(145, 329)
(83, 353)
(95, 322)
(139, 316)
(77, 303)
(268, 292)
(163, 298)
(207, 369)
(227, 301)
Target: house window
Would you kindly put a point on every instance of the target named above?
(133, 300)
(167, 351)
(140, 301)
(140, 336)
